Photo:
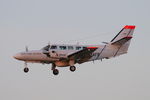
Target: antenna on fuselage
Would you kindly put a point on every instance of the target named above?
(49, 45)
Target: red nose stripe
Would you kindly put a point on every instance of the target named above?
(129, 27)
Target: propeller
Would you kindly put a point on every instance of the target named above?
(49, 43)
(26, 48)
(46, 50)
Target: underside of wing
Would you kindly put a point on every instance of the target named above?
(82, 55)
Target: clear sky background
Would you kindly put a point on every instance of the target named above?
(36, 22)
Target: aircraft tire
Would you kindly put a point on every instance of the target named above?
(72, 68)
(55, 71)
(26, 70)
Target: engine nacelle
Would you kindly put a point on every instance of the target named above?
(62, 63)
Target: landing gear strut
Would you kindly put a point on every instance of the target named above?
(55, 71)
(26, 69)
(72, 67)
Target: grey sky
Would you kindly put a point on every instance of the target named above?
(37, 22)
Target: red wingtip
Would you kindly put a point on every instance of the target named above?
(129, 27)
(92, 47)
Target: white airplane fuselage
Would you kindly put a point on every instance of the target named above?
(37, 56)
(69, 55)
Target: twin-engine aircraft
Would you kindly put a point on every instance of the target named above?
(69, 55)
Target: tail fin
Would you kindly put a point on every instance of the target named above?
(127, 31)
(123, 38)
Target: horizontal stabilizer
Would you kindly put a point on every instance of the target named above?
(122, 41)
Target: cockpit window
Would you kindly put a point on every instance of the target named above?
(84, 47)
(70, 47)
(46, 47)
(78, 48)
(62, 47)
(53, 47)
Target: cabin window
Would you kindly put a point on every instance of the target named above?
(62, 47)
(70, 47)
(53, 47)
(78, 48)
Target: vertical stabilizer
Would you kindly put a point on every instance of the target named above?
(127, 31)
(122, 39)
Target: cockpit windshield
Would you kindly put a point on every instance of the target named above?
(53, 47)
(46, 47)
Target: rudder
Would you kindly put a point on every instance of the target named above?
(122, 39)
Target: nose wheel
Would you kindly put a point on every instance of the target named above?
(26, 69)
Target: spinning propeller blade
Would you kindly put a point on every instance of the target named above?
(26, 48)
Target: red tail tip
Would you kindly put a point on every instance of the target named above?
(129, 27)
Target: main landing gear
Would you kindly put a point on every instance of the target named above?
(55, 71)
(72, 68)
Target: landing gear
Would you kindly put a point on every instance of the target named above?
(55, 71)
(72, 68)
(26, 69)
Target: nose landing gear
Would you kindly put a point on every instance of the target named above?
(26, 69)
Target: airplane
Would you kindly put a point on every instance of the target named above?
(68, 55)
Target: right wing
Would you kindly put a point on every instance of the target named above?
(82, 55)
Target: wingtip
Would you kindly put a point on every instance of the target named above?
(129, 27)
(92, 47)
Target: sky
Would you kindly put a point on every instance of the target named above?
(34, 23)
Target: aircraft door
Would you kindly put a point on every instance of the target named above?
(53, 54)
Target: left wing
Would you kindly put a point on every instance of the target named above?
(82, 55)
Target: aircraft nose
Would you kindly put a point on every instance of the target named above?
(17, 56)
